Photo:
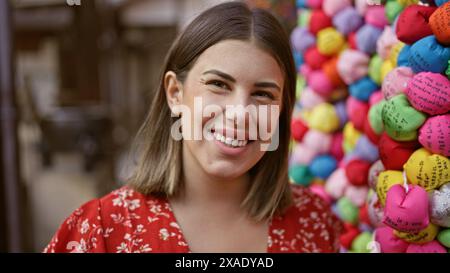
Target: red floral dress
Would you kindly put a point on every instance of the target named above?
(126, 221)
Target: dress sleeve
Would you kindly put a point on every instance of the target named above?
(81, 232)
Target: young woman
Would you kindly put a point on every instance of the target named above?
(219, 193)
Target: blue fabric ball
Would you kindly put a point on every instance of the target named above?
(403, 56)
(298, 59)
(427, 55)
(366, 150)
(367, 37)
(363, 88)
(322, 166)
(440, 2)
(341, 111)
(301, 4)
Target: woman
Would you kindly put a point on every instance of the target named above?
(224, 192)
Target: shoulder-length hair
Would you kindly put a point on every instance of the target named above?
(159, 165)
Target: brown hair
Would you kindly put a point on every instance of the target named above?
(159, 167)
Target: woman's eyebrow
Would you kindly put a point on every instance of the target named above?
(268, 85)
(220, 74)
(231, 79)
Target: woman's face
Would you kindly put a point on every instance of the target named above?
(229, 73)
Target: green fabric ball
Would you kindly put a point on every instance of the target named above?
(361, 242)
(375, 119)
(303, 18)
(444, 237)
(447, 72)
(347, 211)
(400, 119)
(393, 8)
(300, 175)
(375, 69)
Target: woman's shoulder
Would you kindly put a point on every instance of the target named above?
(308, 225)
(122, 221)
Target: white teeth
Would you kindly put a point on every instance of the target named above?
(229, 141)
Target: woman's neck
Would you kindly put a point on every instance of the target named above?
(200, 188)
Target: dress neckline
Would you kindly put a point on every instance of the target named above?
(183, 238)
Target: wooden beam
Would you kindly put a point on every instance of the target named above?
(9, 162)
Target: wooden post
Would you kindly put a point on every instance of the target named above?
(10, 207)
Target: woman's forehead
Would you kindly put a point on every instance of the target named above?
(243, 60)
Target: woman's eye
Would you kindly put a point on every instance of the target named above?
(218, 84)
(264, 94)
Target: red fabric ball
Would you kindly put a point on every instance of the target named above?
(318, 21)
(314, 58)
(336, 149)
(357, 171)
(364, 214)
(371, 135)
(352, 41)
(357, 112)
(413, 24)
(394, 154)
(298, 129)
(348, 235)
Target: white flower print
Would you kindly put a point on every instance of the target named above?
(84, 226)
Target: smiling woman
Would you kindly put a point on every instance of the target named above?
(222, 193)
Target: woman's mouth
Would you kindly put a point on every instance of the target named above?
(228, 145)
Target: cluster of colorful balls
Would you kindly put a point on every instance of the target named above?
(371, 126)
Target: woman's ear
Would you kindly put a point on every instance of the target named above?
(173, 89)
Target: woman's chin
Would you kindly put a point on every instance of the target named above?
(225, 169)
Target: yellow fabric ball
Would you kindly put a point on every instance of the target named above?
(386, 180)
(424, 236)
(330, 41)
(324, 118)
(430, 171)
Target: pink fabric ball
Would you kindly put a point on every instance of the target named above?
(318, 141)
(386, 41)
(376, 16)
(310, 99)
(336, 184)
(331, 7)
(434, 134)
(352, 65)
(429, 92)
(320, 83)
(396, 81)
(302, 155)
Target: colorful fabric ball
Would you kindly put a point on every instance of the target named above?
(389, 243)
(413, 24)
(330, 41)
(300, 175)
(323, 166)
(427, 55)
(430, 93)
(363, 88)
(367, 37)
(400, 120)
(396, 81)
(434, 135)
(439, 24)
(386, 180)
(302, 39)
(427, 170)
(347, 20)
(352, 65)
(324, 118)
(394, 154)
(357, 172)
(406, 211)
